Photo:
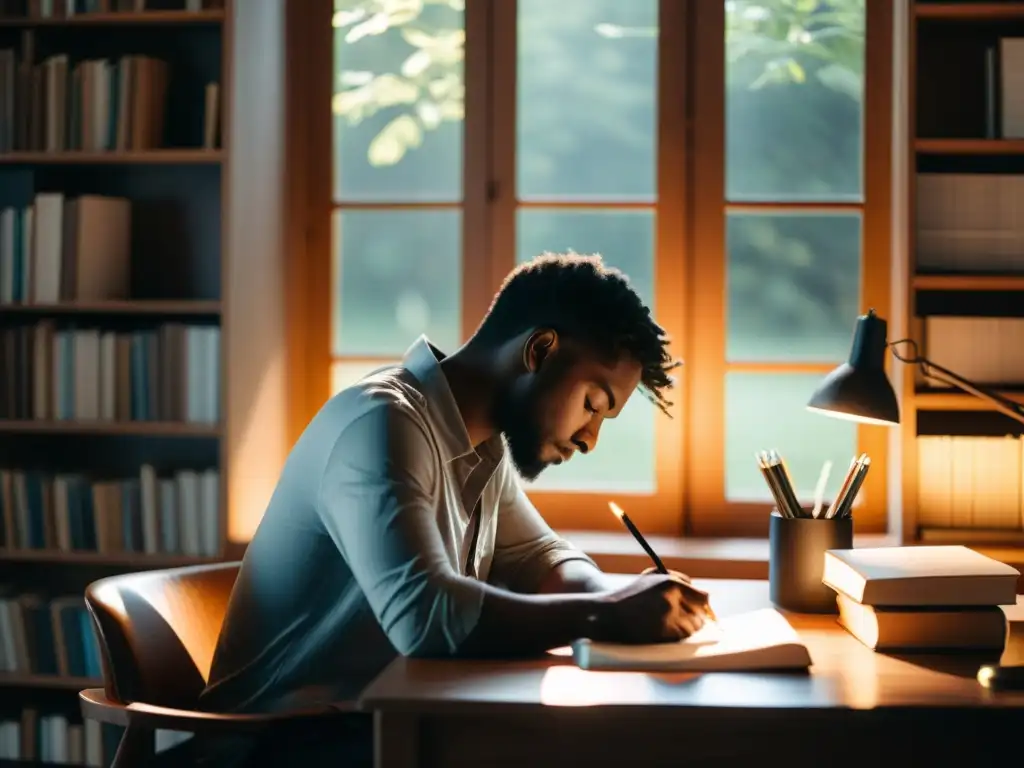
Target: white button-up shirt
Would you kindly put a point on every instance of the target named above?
(383, 525)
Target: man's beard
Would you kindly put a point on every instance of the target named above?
(516, 418)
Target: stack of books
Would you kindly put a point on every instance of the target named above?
(923, 598)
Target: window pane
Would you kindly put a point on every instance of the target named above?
(345, 374)
(794, 99)
(587, 83)
(398, 101)
(624, 459)
(398, 274)
(624, 238)
(768, 410)
(794, 286)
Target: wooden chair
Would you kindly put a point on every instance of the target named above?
(157, 632)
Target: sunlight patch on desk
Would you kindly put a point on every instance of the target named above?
(860, 687)
(574, 687)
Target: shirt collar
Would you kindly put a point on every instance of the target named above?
(423, 360)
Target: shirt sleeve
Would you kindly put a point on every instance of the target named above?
(377, 503)
(525, 547)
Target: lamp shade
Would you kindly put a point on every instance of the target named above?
(858, 389)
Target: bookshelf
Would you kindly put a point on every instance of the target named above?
(963, 469)
(113, 211)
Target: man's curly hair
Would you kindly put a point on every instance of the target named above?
(581, 298)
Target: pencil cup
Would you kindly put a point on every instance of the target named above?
(796, 559)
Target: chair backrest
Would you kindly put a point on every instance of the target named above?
(157, 631)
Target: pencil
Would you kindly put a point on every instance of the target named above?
(763, 462)
(845, 508)
(819, 489)
(658, 564)
(619, 513)
(786, 483)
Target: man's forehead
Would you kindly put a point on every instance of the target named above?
(622, 369)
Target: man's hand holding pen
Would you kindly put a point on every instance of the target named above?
(697, 598)
(654, 608)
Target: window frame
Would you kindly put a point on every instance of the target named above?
(689, 291)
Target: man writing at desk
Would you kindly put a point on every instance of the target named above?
(398, 525)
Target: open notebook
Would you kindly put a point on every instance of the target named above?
(758, 640)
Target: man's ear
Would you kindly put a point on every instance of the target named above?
(539, 347)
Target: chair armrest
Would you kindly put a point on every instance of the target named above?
(96, 706)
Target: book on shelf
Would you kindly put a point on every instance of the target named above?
(65, 249)
(1003, 88)
(211, 116)
(985, 350)
(93, 105)
(969, 223)
(69, 9)
(176, 513)
(48, 636)
(1010, 73)
(970, 482)
(54, 739)
(168, 373)
(973, 536)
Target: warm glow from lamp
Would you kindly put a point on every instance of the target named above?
(852, 417)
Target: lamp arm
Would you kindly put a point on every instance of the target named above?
(1003, 404)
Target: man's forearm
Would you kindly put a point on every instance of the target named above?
(513, 624)
(574, 576)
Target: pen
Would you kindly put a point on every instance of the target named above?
(658, 564)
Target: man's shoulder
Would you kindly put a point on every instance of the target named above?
(387, 402)
(379, 426)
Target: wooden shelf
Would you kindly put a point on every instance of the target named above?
(140, 560)
(54, 682)
(969, 146)
(125, 18)
(1006, 538)
(130, 307)
(952, 400)
(127, 428)
(969, 282)
(140, 157)
(970, 11)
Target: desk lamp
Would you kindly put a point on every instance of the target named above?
(859, 390)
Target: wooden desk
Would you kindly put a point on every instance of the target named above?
(855, 708)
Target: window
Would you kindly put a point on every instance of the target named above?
(747, 205)
(396, 225)
(586, 180)
(790, 241)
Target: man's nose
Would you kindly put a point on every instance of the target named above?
(586, 439)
